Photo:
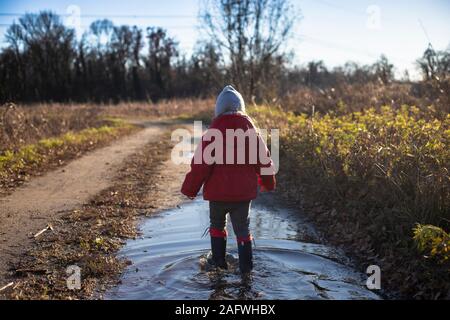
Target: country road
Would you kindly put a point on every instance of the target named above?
(167, 260)
(43, 199)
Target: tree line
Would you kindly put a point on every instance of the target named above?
(45, 62)
(245, 46)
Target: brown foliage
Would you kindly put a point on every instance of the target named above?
(346, 97)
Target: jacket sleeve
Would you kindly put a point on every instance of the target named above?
(199, 172)
(266, 177)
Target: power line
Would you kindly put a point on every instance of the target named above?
(6, 25)
(338, 7)
(128, 16)
(338, 46)
(425, 31)
(349, 10)
(334, 45)
(123, 16)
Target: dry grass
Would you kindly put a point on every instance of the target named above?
(37, 138)
(346, 98)
(367, 178)
(165, 108)
(22, 125)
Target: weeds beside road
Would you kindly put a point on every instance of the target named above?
(38, 138)
(90, 235)
(367, 178)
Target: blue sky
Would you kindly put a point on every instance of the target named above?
(329, 30)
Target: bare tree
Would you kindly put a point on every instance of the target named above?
(383, 70)
(43, 51)
(251, 34)
(315, 69)
(434, 64)
(162, 50)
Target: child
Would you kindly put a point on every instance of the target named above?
(230, 187)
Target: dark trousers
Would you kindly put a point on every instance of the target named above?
(239, 214)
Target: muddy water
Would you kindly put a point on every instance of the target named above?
(169, 260)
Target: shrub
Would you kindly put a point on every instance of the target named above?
(367, 178)
(433, 241)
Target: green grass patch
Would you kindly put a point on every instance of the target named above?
(33, 155)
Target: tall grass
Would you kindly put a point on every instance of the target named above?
(22, 125)
(380, 172)
(344, 97)
(31, 156)
(27, 124)
(388, 158)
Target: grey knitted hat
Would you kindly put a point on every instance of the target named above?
(229, 100)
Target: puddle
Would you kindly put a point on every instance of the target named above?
(168, 261)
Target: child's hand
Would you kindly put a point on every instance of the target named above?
(191, 198)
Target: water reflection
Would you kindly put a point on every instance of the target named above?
(169, 260)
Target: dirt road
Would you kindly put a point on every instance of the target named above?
(35, 205)
(285, 241)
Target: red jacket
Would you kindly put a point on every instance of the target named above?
(229, 182)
